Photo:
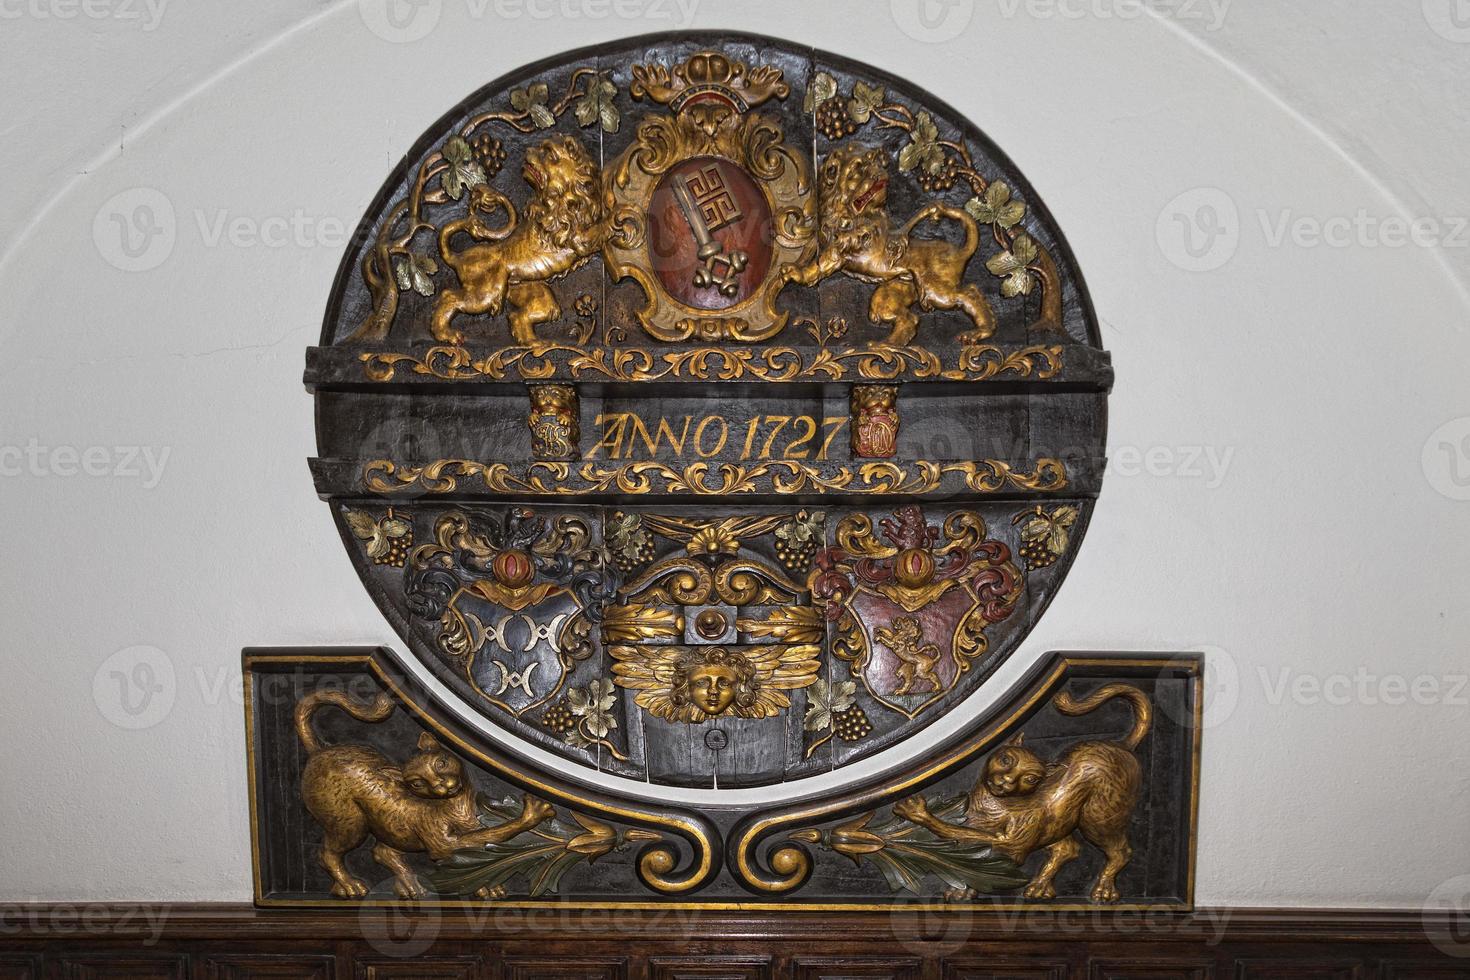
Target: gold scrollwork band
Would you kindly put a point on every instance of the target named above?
(555, 478)
(543, 361)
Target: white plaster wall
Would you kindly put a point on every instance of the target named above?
(1290, 428)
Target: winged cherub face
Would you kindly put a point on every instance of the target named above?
(712, 680)
(713, 687)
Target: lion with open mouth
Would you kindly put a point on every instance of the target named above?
(564, 225)
(857, 238)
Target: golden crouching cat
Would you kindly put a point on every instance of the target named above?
(1021, 804)
(426, 805)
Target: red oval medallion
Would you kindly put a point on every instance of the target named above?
(709, 233)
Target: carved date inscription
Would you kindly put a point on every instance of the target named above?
(627, 435)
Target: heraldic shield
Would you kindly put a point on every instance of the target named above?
(709, 203)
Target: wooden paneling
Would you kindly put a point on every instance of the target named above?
(240, 943)
(1283, 969)
(710, 968)
(268, 966)
(856, 967)
(1150, 968)
(1008, 968)
(1444, 968)
(290, 872)
(564, 966)
(24, 967)
(125, 964)
(421, 968)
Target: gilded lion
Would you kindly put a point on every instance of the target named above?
(563, 226)
(857, 237)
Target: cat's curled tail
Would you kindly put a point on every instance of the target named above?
(377, 709)
(1143, 712)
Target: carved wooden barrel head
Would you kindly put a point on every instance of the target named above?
(709, 410)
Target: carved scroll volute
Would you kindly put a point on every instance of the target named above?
(659, 865)
(781, 869)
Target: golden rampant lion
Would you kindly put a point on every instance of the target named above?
(564, 225)
(857, 237)
(917, 658)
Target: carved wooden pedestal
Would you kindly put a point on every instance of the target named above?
(1079, 789)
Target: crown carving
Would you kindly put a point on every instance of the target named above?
(708, 76)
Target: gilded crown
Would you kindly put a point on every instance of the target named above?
(708, 76)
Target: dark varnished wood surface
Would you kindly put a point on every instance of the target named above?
(187, 940)
(994, 420)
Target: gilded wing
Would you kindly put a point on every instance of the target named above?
(650, 671)
(779, 669)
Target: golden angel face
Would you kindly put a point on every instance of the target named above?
(712, 687)
(710, 681)
(694, 684)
